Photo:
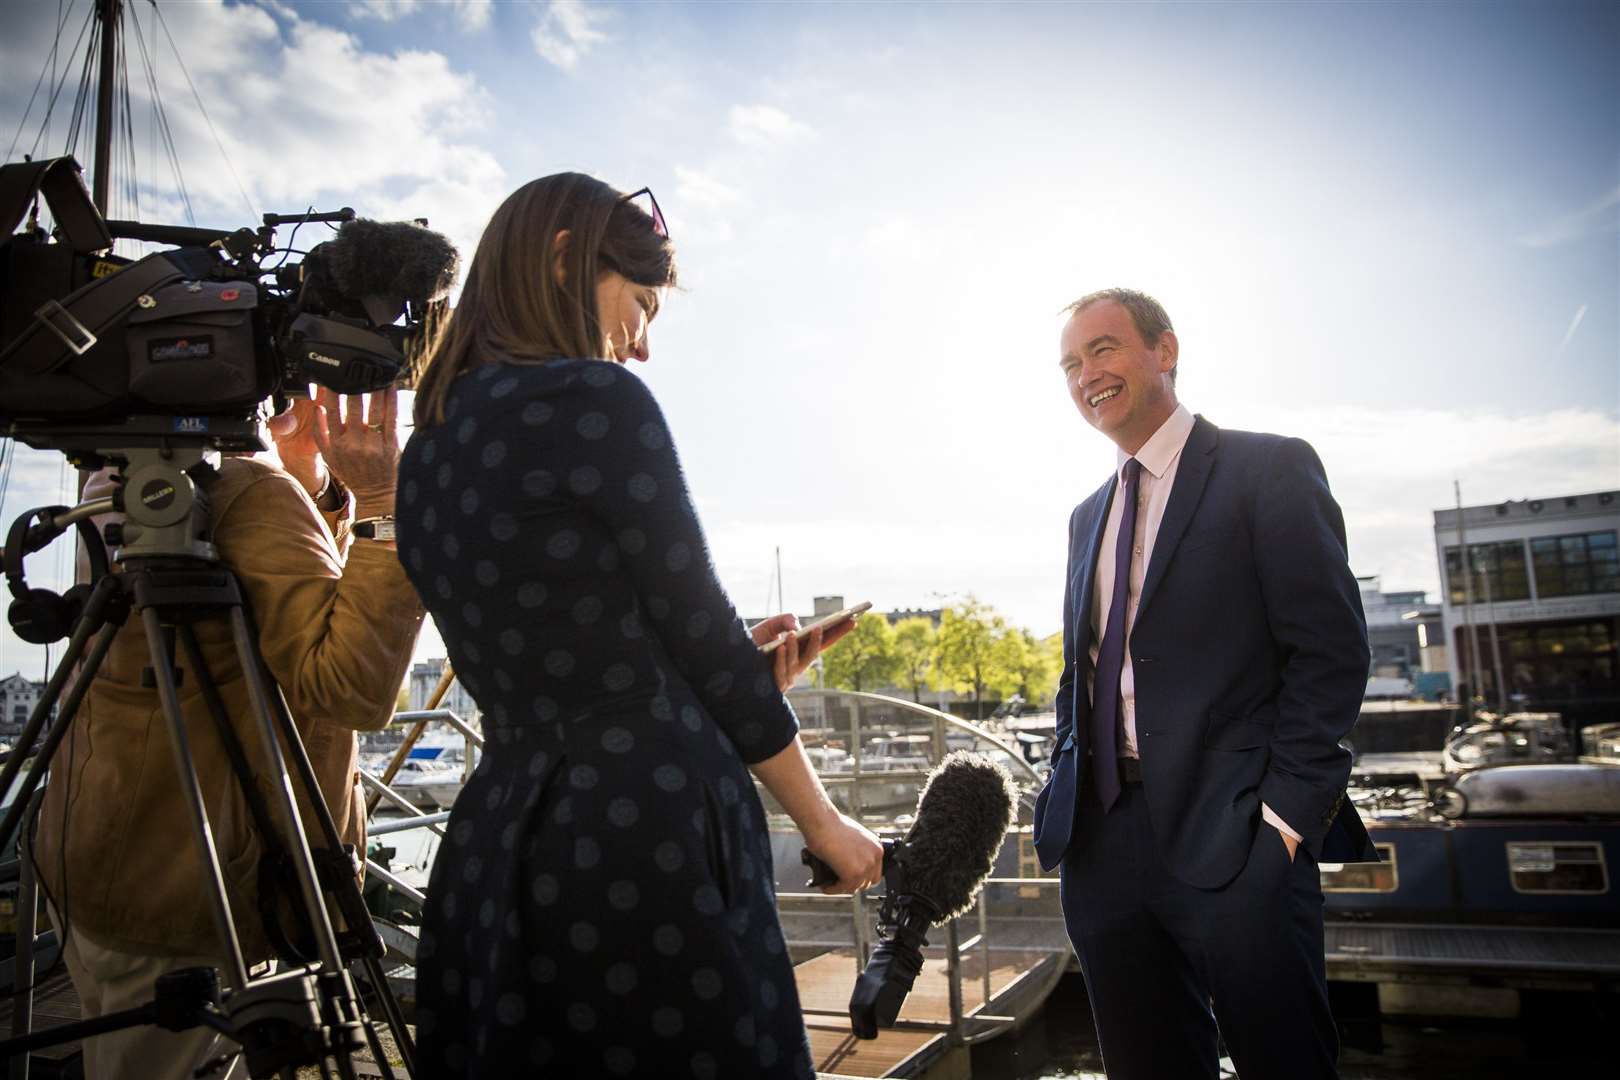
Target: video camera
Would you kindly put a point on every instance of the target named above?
(192, 344)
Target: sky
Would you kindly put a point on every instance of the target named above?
(1391, 229)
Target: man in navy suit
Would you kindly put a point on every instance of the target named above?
(1215, 652)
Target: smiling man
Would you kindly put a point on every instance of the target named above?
(1215, 652)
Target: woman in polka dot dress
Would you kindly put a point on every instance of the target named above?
(603, 904)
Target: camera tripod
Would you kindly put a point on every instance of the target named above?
(172, 579)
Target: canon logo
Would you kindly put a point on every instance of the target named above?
(313, 355)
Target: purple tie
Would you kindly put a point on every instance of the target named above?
(1105, 701)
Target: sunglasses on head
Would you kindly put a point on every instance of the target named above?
(657, 215)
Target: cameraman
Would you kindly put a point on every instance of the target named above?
(336, 621)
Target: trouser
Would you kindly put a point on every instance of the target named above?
(1166, 963)
(110, 981)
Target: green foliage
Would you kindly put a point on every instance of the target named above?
(972, 655)
(1029, 667)
(865, 658)
(915, 643)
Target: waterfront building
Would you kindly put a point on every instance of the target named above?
(425, 677)
(18, 696)
(1406, 633)
(1542, 595)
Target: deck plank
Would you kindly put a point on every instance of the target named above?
(825, 983)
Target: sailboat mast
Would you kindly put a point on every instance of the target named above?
(109, 13)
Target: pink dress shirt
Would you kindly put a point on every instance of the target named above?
(1159, 457)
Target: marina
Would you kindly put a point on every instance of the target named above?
(1484, 943)
(1484, 904)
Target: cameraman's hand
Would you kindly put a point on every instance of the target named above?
(359, 443)
(851, 849)
(293, 432)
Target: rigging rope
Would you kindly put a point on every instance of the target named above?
(246, 199)
(161, 120)
(48, 65)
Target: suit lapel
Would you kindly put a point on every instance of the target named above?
(1197, 458)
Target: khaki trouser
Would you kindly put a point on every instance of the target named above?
(109, 981)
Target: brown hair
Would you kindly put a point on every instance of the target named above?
(1147, 313)
(513, 308)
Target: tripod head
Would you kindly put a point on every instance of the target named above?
(160, 492)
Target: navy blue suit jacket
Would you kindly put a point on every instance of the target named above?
(1249, 653)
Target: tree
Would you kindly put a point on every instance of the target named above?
(915, 644)
(864, 658)
(1029, 667)
(971, 653)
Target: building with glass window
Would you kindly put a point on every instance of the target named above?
(1539, 605)
(18, 696)
(1404, 633)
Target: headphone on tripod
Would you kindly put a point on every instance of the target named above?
(40, 616)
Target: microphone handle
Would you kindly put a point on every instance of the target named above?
(821, 874)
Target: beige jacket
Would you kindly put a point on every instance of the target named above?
(115, 844)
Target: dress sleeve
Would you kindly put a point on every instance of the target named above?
(642, 497)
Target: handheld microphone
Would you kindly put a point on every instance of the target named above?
(930, 875)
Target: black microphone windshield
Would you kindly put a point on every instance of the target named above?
(396, 259)
(967, 803)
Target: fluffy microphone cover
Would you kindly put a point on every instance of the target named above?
(966, 805)
(393, 259)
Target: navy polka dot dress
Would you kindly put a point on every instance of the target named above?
(603, 903)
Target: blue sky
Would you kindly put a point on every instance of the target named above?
(1389, 228)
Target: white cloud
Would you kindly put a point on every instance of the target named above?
(701, 189)
(470, 14)
(567, 31)
(1597, 216)
(473, 14)
(765, 125)
(383, 10)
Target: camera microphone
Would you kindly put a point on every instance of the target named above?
(930, 875)
(352, 289)
(390, 262)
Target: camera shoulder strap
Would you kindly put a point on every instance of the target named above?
(71, 327)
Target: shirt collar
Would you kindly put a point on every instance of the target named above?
(1161, 451)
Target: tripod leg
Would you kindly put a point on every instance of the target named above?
(350, 901)
(303, 863)
(341, 1005)
(22, 1016)
(95, 621)
(163, 670)
(377, 1051)
(396, 1016)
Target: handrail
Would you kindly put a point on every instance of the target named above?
(963, 1026)
(406, 823)
(398, 800)
(932, 714)
(449, 717)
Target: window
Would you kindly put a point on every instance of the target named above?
(1499, 572)
(1576, 565)
(1380, 877)
(1557, 867)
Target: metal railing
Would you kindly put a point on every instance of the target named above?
(858, 734)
